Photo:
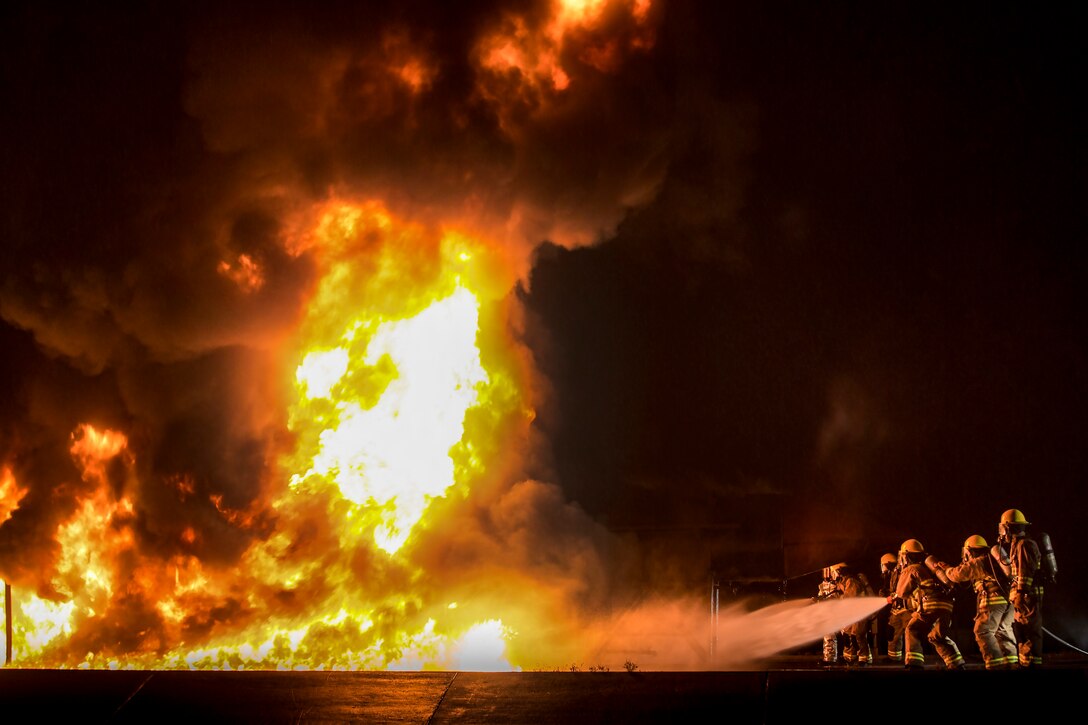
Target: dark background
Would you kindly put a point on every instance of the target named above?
(851, 312)
(885, 338)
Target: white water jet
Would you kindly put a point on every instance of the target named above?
(765, 632)
(676, 635)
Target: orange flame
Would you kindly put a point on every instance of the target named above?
(527, 63)
(246, 273)
(397, 407)
(10, 494)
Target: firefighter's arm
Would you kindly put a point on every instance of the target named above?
(965, 572)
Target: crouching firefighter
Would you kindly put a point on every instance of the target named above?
(930, 602)
(987, 573)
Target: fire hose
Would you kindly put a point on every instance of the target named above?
(1067, 644)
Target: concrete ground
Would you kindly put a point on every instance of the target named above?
(784, 690)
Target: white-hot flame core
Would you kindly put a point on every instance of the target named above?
(395, 455)
(41, 622)
(320, 371)
(482, 648)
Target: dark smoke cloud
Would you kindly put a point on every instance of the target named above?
(322, 99)
(854, 292)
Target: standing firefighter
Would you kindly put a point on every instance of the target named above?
(855, 649)
(1026, 587)
(827, 590)
(930, 603)
(895, 615)
(993, 629)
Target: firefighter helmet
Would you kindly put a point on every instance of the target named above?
(973, 546)
(887, 559)
(837, 569)
(975, 542)
(911, 546)
(911, 552)
(1012, 525)
(1014, 516)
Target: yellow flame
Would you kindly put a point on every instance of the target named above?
(84, 577)
(39, 622)
(382, 408)
(395, 454)
(90, 444)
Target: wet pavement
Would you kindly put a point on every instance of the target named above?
(783, 690)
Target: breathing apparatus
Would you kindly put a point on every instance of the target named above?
(938, 570)
(999, 556)
(1050, 561)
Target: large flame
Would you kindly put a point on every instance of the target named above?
(395, 407)
(405, 396)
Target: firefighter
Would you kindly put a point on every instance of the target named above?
(894, 617)
(930, 603)
(1025, 588)
(856, 650)
(993, 613)
(827, 590)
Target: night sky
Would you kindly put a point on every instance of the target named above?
(813, 268)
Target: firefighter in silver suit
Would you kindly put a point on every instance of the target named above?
(1026, 588)
(931, 609)
(993, 613)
